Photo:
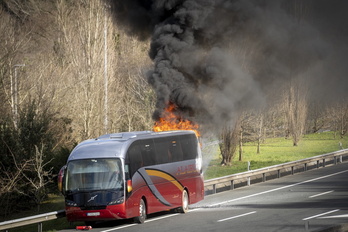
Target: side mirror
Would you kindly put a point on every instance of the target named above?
(61, 180)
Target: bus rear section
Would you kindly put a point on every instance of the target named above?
(146, 173)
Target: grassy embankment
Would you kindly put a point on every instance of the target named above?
(273, 151)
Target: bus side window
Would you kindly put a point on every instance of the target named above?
(126, 172)
(148, 152)
(135, 158)
(189, 146)
(163, 154)
(175, 149)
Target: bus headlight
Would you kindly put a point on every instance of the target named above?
(70, 203)
(118, 201)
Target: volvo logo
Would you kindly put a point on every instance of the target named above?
(92, 198)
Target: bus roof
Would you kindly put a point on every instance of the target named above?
(115, 145)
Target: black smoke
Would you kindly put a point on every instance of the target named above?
(213, 58)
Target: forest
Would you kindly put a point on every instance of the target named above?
(239, 71)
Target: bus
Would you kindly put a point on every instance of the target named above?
(131, 175)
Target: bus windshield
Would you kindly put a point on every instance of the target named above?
(94, 174)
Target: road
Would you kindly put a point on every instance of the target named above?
(302, 202)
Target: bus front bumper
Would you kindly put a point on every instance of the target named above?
(111, 212)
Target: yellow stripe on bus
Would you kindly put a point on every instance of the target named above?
(165, 176)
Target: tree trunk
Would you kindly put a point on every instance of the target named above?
(259, 135)
(241, 145)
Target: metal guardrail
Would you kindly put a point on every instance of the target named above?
(5, 226)
(229, 182)
(213, 185)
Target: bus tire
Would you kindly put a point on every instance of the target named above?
(142, 213)
(184, 202)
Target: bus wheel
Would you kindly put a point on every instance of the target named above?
(184, 202)
(142, 213)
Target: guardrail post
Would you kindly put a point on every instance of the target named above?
(307, 225)
(248, 180)
(278, 173)
(335, 160)
(39, 227)
(263, 177)
(214, 188)
(232, 185)
(318, 163)
(305, 167)
(292, 170)
(323, 163)
(341, 159)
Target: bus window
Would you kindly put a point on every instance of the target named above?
(175, 149)
(135, 158)
(189, 146)
(163, 154)
(94, 174)
(148, 152)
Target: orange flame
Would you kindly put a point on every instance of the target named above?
(171, 121)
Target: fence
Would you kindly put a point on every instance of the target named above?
(218, 184)
(39, 219)
(261, 175)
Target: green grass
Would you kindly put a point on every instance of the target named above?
(273, 151)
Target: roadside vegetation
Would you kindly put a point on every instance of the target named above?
(273, 151)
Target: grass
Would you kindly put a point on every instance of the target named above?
(273, 151)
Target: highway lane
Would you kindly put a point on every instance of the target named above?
(294, 203)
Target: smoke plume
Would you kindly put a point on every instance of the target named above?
(213, 58)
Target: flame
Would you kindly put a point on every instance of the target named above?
(171, 121)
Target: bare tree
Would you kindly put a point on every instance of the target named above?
(10, 176)
(241, 143)
(11, 179)
(260, 129)
(296, 108)
(81, 42)
(131, 90)
(39, 176)
(229, 140)
(317, 117)
(14, 40)
(339, 117)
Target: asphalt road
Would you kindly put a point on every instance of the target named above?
(308, 201)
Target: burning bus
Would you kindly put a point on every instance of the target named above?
(132, 174)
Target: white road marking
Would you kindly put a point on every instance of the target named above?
(242, 215)
(320, 194)
(276, 189)
(336, 216)
(163, 217)
(119, 228)
(150, 220)
(318, 215)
